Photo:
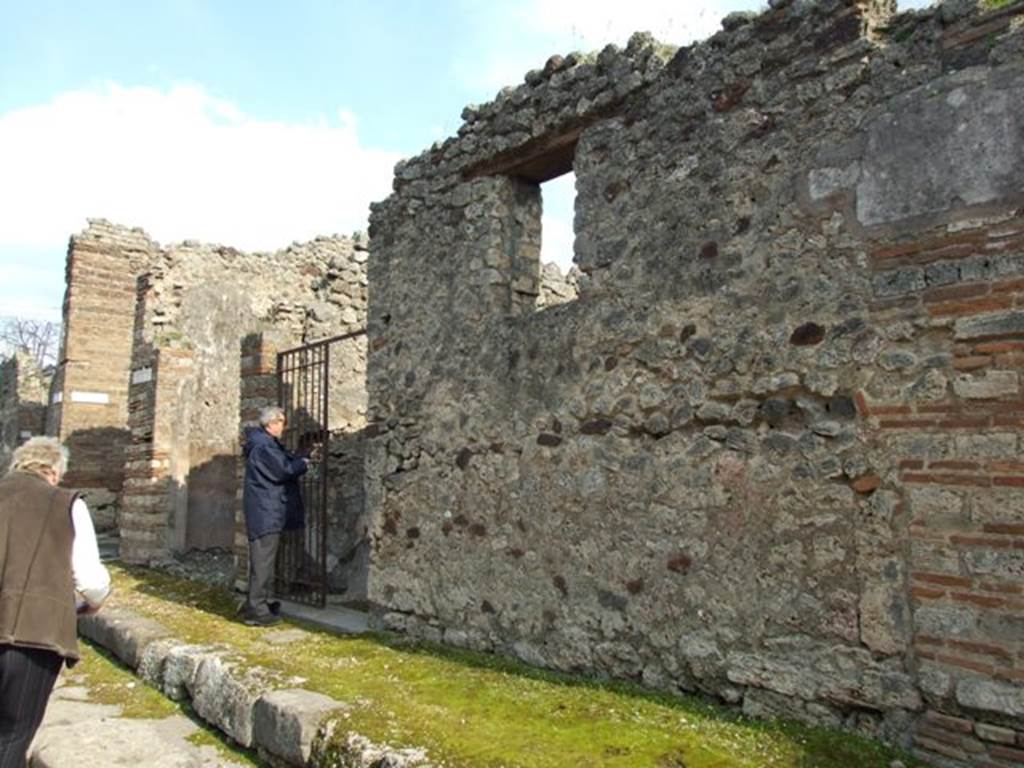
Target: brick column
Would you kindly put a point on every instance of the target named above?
(157, 467)
(90, 395)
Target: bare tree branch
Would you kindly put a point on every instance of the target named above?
(38, 338)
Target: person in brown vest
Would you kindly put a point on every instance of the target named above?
(49, 571)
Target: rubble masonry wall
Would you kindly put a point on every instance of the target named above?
(771, 451)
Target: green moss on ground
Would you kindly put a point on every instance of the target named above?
(474, 710)
(110, 682)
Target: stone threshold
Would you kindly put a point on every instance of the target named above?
(287, 726)
(333, 618)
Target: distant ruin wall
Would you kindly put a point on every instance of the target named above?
(24, 391)
(771, 452)
(195, 304)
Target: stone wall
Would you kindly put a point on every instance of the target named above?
(195, 304)
(89, 397)
(24, 391)
(771, 450)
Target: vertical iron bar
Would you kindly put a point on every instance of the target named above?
(282, 363)
(325, 431)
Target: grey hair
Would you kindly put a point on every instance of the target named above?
(271, 413)
(39, 456)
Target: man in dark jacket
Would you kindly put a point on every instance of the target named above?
(272, 503)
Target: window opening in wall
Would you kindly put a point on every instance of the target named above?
(558, 204)
(540, 260)
(558, 198)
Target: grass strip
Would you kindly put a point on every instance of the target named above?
(475, 710)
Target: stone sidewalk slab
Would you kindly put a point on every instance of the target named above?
(77, 733)
(247, 703)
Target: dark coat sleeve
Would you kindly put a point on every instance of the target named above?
(277, 465)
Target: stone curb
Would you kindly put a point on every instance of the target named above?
(288, 727)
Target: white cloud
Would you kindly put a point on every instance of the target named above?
(181, 164)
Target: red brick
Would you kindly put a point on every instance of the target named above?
(953, 465)
(911, 464)
(1006, 466)
(942, 578)
(1013, 529)
(1009, 754)
(972, 307)
(944, 478)
(866, 483)
(949, 722)
(941, 247)
(985, 649)
(891, 410)
(906, 423)
(1009, 589)
(1008, 481)
(1009, 360)
(976, 540)
(927, 593)
(938, 747)
(1008, 286)
(997, 347)
(940, 408)
(995, 407)
(922, 532)
(861, 402)
(964, 423)
(951, 292)
(960, 661)
(928, 640)
(984, 601)
(971, 363)
(939, 734)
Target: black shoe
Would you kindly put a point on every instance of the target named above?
(274, 606)
(268, 620)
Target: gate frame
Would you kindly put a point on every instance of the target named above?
(300, 362)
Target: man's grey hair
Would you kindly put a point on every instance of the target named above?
(271, 413)
(40, 456)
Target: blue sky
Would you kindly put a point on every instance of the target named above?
(257, 123)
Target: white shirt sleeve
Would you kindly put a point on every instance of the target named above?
(92, 581)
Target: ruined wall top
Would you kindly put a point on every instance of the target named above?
(524, 128)
(317, 287)
(130, 242)
(559, 100)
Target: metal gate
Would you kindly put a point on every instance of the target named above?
(303, 388)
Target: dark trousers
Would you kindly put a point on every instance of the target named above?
(27, 676)
(262, 553)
